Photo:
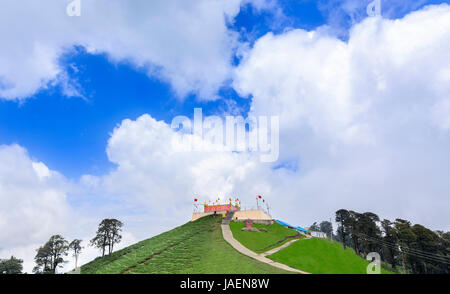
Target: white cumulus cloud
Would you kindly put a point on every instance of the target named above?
(33, 203)
(185, 43)
(364, 119)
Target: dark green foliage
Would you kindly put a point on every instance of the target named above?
(314, 227)
(413, 248)
(326, 227)
(389, 254)
(342, 217)
(108, 234)
(11, 266)
(51, 256)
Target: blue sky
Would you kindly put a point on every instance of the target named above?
(70, 133)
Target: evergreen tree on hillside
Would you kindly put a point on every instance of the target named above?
(327, 228)
(425, 241)
(108, 234)
(354, 228)
(314, 227)
(11, 266)
(405, 238)
(417, 249)
(51, 256)
(75, 246)
(369, 232)
(444, 250)
(389, 243)
(342, 217)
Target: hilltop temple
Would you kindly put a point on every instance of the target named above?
(256, 215)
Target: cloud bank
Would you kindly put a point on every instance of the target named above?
(366, 120)
(33, 204)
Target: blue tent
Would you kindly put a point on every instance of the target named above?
(301, 229)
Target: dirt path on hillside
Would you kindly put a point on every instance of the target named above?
(228, 236)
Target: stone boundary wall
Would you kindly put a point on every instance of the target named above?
(256, 221)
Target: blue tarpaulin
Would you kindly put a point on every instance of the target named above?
(286, 224)
(283, 223)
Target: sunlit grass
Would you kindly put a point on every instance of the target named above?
(320, 256)
(259, 241)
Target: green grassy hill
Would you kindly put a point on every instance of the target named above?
(260, 242)
(320, 256)
(194, 248)
(199, 248)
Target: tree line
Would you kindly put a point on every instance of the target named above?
(52, 255)
(405, 247)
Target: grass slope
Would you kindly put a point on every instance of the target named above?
(320, 256)
(194, 248)
(261, 241)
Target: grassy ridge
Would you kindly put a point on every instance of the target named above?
(320, 256)
(194, 248)
(127, 257)
(259, 241)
